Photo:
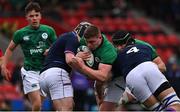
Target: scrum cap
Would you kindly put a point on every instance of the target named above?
(81, 27)
(121, 37)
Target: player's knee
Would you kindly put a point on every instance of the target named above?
(68, 106)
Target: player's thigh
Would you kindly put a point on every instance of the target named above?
(138, 85)
(59, 84)
(65, 104)
(35, 97)
(154, 77)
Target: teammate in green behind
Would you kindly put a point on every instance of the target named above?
(35, 40)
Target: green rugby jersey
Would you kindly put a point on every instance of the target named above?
(33, 43)
(105, 53)
(154, 54)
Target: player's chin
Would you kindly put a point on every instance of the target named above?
(35, 25)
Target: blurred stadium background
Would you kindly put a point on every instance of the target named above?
(156, 22)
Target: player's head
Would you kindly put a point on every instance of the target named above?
(33, 14)
(81, 27)
(93, 37)
(122, 38)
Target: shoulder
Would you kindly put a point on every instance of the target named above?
(43, 26)
(22, 29)
(68, 34)
(19, 32)
(142, 42)
(107, 45)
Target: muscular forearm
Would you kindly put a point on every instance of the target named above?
(7, 56)
(95, 74)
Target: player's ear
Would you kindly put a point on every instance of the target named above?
(99, 36)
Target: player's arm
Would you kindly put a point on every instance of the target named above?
(102, 74)
(46, 52)
(8, 53)
(69, 59)
(160, 64)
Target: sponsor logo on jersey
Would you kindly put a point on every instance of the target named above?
(44, 36)
(41, 44)
(32, 51)
(26, 38)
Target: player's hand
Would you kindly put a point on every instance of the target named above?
(46, 52)
(77, 62)
(83, 55)
(5, 72)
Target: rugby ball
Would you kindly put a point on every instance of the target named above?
(90, 61)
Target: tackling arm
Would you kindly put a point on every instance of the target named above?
(102, 74)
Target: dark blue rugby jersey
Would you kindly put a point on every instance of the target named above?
(130, 57)
(67, 42)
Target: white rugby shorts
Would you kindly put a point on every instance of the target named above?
(30, 80)
(55, 82)
(144, 80)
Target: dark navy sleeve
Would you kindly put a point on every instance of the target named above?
(72, 44)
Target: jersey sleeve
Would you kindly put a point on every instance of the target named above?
(71, 45)
(53, 36)
(17, 37)
(109, 56)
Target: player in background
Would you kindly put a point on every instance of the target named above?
(143, 76)
(35, 40)
(55, 76)
(104, 54)
(127, 96)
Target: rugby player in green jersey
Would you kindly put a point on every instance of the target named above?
(104, 54)
(35, 40)
(107, 99)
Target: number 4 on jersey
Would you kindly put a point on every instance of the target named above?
(133, 49)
